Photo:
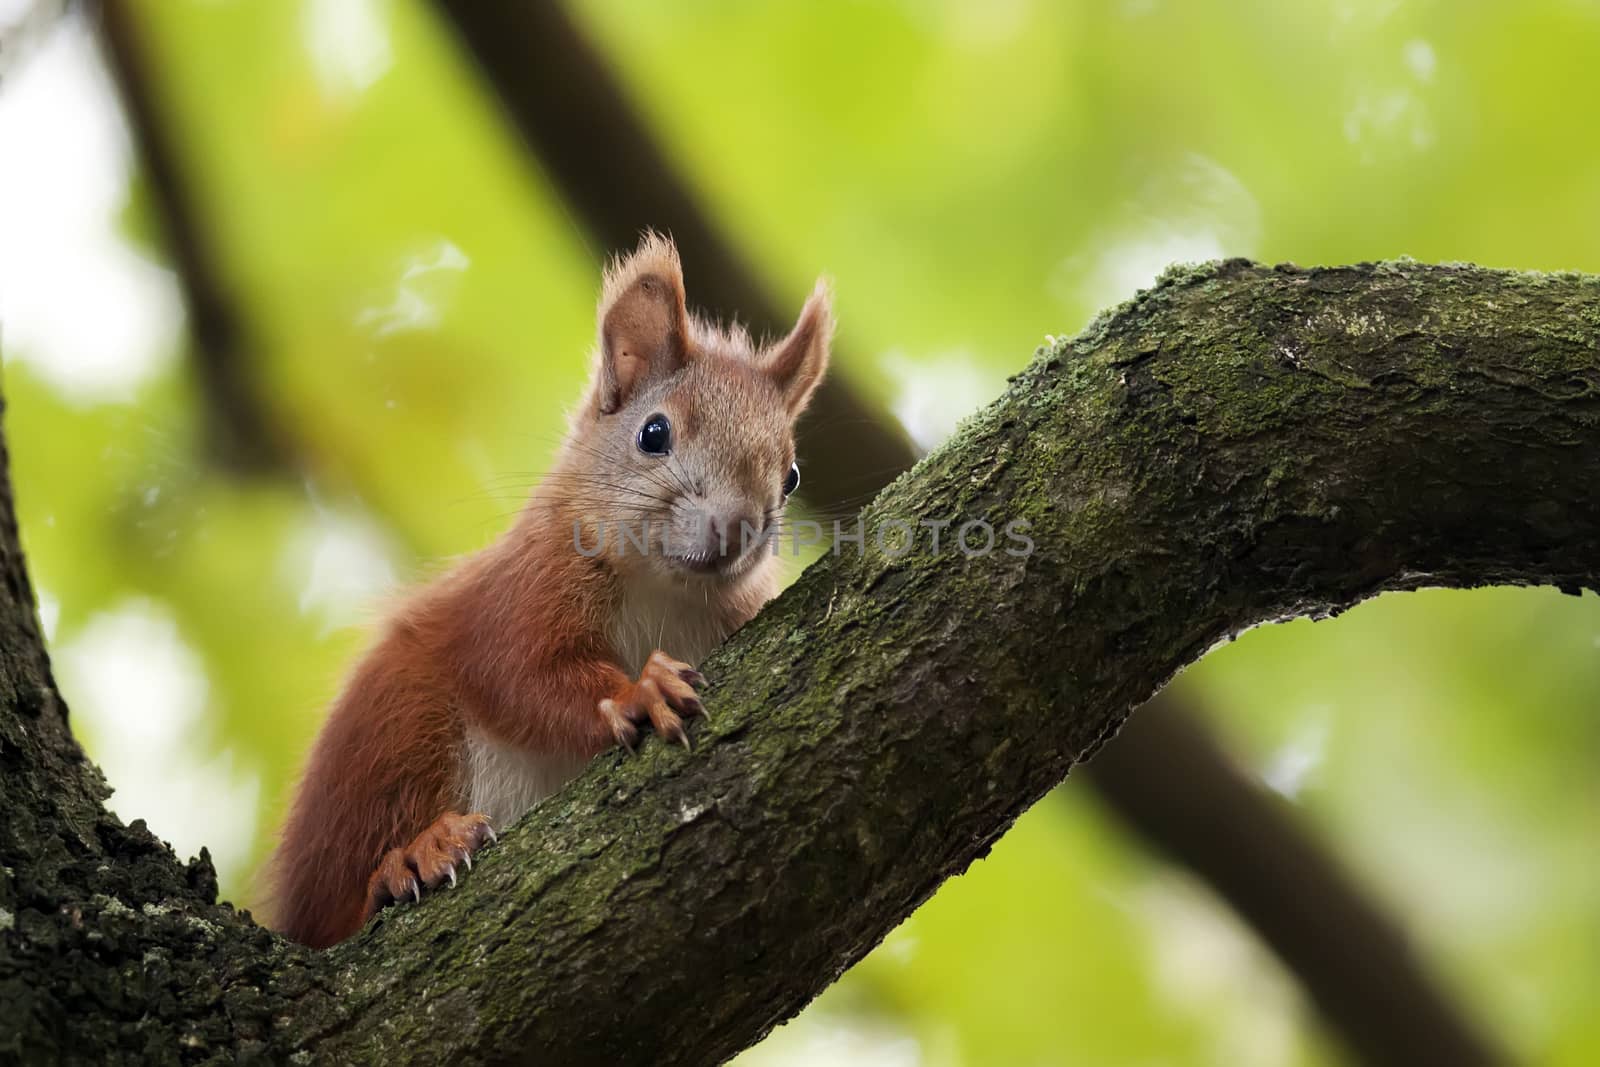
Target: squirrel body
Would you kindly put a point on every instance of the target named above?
(639, 551)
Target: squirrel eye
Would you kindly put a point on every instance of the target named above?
(791, 481)
(655, 436)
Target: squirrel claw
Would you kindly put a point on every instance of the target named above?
(428, 861)
(663, 696)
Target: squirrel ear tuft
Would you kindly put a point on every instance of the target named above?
(798, 362)
(643, 321)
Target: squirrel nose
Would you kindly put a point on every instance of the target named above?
(729, 533)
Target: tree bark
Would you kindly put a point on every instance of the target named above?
(1239, 445)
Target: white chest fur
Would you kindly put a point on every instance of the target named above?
(684, 621)
(503, 781)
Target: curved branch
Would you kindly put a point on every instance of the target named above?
(1239, 445)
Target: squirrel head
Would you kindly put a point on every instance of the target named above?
(681, 458)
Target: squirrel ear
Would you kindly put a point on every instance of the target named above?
(643, 322)
(798, 362)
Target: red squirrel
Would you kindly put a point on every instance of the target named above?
(638, 553)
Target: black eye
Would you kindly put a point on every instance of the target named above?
(791, 481)
(655, 436)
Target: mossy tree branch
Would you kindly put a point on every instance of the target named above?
(1239, 445)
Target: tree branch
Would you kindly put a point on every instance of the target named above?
(1240, 445)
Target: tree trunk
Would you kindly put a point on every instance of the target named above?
(1240, 445)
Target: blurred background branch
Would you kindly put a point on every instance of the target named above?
(556, 88)
(1169, 780)
(242, 432)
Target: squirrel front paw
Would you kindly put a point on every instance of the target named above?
(663, 696)
(428, 861)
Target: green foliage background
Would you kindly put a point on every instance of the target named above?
(973, 176)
